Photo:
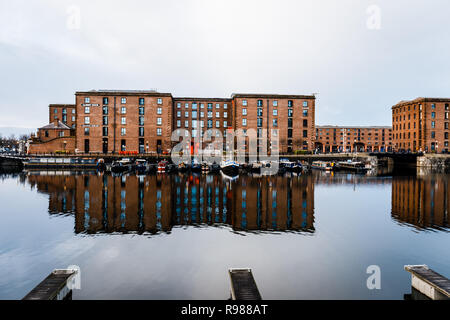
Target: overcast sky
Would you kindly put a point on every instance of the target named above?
(215, 48)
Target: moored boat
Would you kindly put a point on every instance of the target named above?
(323, 165)
(141, 166)
(230, 167)
(121, 165)
(351, 165)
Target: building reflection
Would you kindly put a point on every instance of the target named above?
(421, 201)
(153, 203)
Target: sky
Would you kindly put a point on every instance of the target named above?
(359, 56)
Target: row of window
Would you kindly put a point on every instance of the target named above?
(64, 111)
(122, 100)
(433, 107)
(123, 131)
(209, 124)
(194, 105)
(202, 114)
(275, 103)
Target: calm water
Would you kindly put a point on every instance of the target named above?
(174, 237)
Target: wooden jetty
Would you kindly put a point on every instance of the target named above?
(428, 282)
(54, 287)
(243, 285)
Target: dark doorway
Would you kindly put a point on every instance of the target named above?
(86, 145)
(158, 146)
(105, 145)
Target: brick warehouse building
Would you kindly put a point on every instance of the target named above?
(350, 139)
(421, 124)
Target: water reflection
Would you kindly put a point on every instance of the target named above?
(153, 203)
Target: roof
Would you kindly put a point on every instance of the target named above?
(107, 92)
(420, 100)
(60, 105)
(271, 95)
(201, 99)
(52, 125)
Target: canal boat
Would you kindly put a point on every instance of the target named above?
(205, 167)
(323, 165)
(162, 166)
(196, 166)
(60, 163)
(230, 167)
(101, 166)
(121, 165)
(297, 167)
(141, 166)
(287, 165)
(351, 165)
(183, 167)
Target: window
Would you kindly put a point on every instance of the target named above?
(123, 100)
(105, 120)
(202, 114)
(275, 122)
(305, 122)
(87, 100)
(446, 135)
(260, 103)
(225, 124)
(210, 114)
(217, 124)
(87, 110)
(141, 110)
(433, 115)
(290, 112)
(433, 106)
(123, 131)
(244, 111)
(64, 111)
(73, 118)
(178, 123)
(141, 101)
(158, 110)
(159, 121)
(141, 131)
(186, 124)
(141, 120)
(209, 106)
(86, 131)
(105, 131)
(87, 120)
(158, 131)
(64, 118)
(178, 114)
(225, 114)
(446, 125)
(123, 120)
(105, 110)
(123, 110)
(209, 124)
(305, 104)
(217, 106)
(433, 124)
(225, 106)
(202, 123)
(433, 134)
(194, 114)
(275, 112)
(275, 103)
(202, 106)
(194, 123)
(305, 133)
(259, 112)
(186, 114)
(289, 122)
(178, 105)
(244, 122)
(290, 103)
(217, 114)
(259, 122)
(194, 106)
(305, 113)
(105, 100)
(244, 102)
(73, 111)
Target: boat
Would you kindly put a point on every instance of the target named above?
(121, 165)
(287, 165)
(256, 167)
(162, 166)
(323, 165)
(60, 163)
(205, 167)
(141, 166)
(196, 166)
(297, 167)
(230, 167)
(152, 167)
(351, 165)
(101, 166)
(183, 167)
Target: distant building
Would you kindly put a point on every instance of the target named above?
(351, 139)
(55, 137)
(66, 113)
(421, 125)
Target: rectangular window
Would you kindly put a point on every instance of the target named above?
(141, 111)
(217, 124)
(141, 120)
(73, 118)
(194, 114)
(225, 106)
(305, 113)
(259, 112)
(87, 110)
(186, 124)
(275, 122)
(141, 131)
(209, 106)
(433, 106)
(64, 111)
(217, 106)
(225, 124)
(186, 114)
(105, 120)
(123, 120)
(158, 110)
(87, 120)
(123, 131)
(194, 123)
(86, 131)
(194, 106)
(159, 101)
(275, 103)
(244, 102)
(105, 110)
(210, 114)
(178, 114)
(123, 100)
(305, 104)
(305, 133)
(433, 134)
(158, 131)
(275, 112)
(202, 106)
(178, 123)
(290, 103)
(290, 122)
(225, 114)
(244, 111)
(178, 105)
(259, 122)
(210, 123)
(260, 103)
(123, 110)
(217, 114)
(433, 124)
(305, 122)
(244, 122)
(105, 100)
(433, 115)
(87, 100)
(290, 112)
(105, 131)
(159, 121)
(141, 101)
(202, 123)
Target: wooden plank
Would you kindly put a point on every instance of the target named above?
(53, 287)
(429, 282)
(243, 285)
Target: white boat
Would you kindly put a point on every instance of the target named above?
(230, 167)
